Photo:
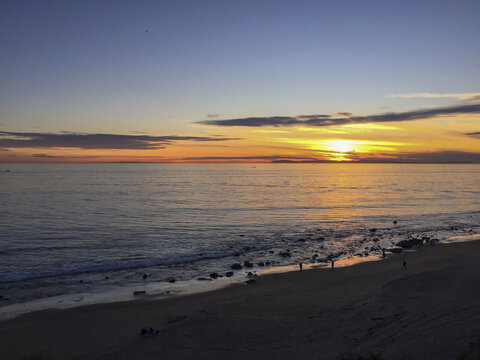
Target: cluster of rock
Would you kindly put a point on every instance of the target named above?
(373, 236)
(412, 242)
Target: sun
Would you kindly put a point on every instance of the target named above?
(340, 146)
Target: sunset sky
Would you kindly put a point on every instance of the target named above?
(240, 81)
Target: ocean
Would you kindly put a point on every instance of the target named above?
(72, 234)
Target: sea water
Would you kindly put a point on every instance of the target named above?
(73, 233)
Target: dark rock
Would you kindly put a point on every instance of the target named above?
(261, 263)
(214, 275)
(267, 262)
(241, 235)
(249, 273)
(246, 248)
(251, 281)
(406, 244)
(1, 297)
(247, 264)
(81, 281)
(301, 240)
(395, 222)
(203, 279)
(139, 292)
(321, 238)
(395, 249)
(171, 281)
(229, 274)
(373, 229)
(236, 266)
(107, 277)
(271, 252)
(144, 276)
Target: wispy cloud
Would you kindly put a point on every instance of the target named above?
(435, 157)
(328, 120)
(267, 158)
(474, 134)
(10, 139)
(461, 96)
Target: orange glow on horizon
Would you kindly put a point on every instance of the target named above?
(343, 143)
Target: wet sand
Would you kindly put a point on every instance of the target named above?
(431, 310)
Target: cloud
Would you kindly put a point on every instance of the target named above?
(213, 116)
(270, 158)
(434, 157)
(308, 117)
(255, 121)
(10, 139)
(46, 156)
(474, 134)
(461, 96)
(322, 120)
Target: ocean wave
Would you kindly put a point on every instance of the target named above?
(110, 265)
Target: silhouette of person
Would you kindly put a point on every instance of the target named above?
(333, 265)
(404, 266)
(383, 253)
(301, 266)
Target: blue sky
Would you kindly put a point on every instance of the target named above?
(159, 66)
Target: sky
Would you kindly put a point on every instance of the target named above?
(231, 81)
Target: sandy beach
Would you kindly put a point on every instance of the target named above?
(373, 310)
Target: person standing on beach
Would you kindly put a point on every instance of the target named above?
(333, 265)
(404, 266)
(301, 266)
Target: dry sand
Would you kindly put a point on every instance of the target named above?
(429, 311)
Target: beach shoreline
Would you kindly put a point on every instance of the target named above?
(429, 310)
(164, 290)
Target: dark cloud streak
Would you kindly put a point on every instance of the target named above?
(272, 158)
(326, 120)
(433, 157)
(474, 134)
(10, 139)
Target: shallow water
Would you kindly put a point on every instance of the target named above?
(98, 228)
